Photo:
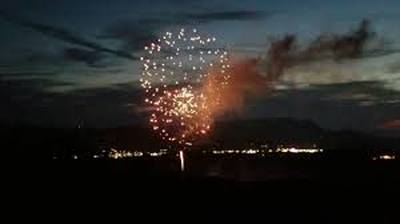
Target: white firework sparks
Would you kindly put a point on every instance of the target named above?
(175, 70)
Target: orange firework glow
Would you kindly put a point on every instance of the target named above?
(184, 75)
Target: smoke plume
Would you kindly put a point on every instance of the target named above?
(254, 77)
(284, 53)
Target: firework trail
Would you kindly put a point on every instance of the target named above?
(184, 76)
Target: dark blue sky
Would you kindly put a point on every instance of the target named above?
(63, 61)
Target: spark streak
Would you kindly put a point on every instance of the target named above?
(182, 159)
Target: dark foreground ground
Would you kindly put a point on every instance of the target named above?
(267, 191)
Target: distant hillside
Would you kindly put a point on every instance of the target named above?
(277, 129)
(33, 140)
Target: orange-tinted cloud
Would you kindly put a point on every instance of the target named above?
(391, 124)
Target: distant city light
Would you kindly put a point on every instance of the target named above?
(296, 150)
(156, 154)
(123, 154)
(255, 150)
(384, 157)
(137, 154)
(119, 154)
(265, 151)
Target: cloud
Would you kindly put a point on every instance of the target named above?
(333, 106)
(29, 83)
(134, 34)
(16, 74)
(392, 124)
(394, 67)
(329, 59)
(253, 78)
(260, 75)
(364, 93)
(28, 102)
(283, 53)
(239, 15)
(65, 36)
(81, 55)
(349, 45)
(137, 33)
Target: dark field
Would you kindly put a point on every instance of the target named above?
(275, 190)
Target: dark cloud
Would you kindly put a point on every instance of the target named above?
(260, 75)
(28, 102)
(325, 105)
(283, 53)
(279, 57)
(24, 74)
(206, 17)
(359, 92)
(65, 36)
(134, 34)
(137, 33)
(19, 90)
(81, 55)
(25, 102)
(29, 83)
(342, 46)
(40, 56)
(394, 67)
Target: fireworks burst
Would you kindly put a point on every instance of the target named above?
(183, 75)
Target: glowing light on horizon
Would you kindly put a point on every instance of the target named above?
(296, 150)
(119, 154)
(384, 157)
(124, 154)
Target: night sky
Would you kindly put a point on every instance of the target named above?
(63, 62)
